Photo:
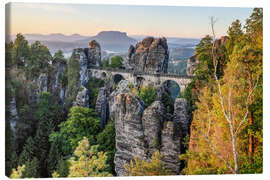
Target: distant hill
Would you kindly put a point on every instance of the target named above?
(114, 41)
(111, 40)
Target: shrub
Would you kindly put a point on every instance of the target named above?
(147, 94)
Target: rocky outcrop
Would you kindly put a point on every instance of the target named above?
(192, 63)
(149, 55)
(87, 57)
(140, 132)
(13, 114)
(82, 98)
(182, 115)
(152, 121)
(102, 106)
(171, 146)
(122, 87)
(129, 131)
(222, 41)
(93, 53)
(59, 86)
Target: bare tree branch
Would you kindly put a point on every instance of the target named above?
(247, 106)
(218, 154)
(230, 122)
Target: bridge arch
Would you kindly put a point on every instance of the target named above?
(117, 78)
(172, 87)
(140, 81)
(103, 75)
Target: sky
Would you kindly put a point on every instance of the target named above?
(87, 19)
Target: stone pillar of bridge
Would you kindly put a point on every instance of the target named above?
(182, 88)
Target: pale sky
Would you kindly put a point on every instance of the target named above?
(168, 21)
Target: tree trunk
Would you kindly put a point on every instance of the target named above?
(250, 140)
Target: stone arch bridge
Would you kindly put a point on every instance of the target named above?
(140, 77)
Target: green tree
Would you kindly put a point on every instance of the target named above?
(230, 111)
(20, 51)
(54, 156)
(58, 57)
(30, 170)
(39, 59)
(154, 167)
(47, 112)
(88, 162)
(106, 143)
(147, 94)
(116, 62)
(8, 54)
(26, 126)
(94, 85)
(235, 33)
(73, 76)
(62, 168)
(105, 63)
(82, 122)
(10, 154)
(28, 152)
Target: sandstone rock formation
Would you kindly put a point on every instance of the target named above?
(58, 86)
(182, 115)
(82, 98)
(152, 121)
(149, 55)
(129, 131)
(122, 87)
(93, 53)
(140, 132)
(222, 41)
(171, 146)
(87, 57)
(192, 63)
(102, 106)
(13, 114)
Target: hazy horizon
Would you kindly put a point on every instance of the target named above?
(89, 20)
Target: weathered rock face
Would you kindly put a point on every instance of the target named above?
(182, 115)
(171, 146)
(192, 63)
(122, 87)
(82, 98)
(13, 114)
(160, 90)
(152, 121)
(58, 86)
(93, 53)
(42, 86)
(102, 106)
(222, 41)
(140, 132)
(150, 55)
(129, 131)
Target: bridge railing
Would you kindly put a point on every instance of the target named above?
(141, 72)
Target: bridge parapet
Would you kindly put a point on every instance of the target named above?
(133, 76)
(141, 73)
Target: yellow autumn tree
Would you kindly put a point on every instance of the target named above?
(17, 173)
(218, 131)
(88, 161)
(153, 167)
